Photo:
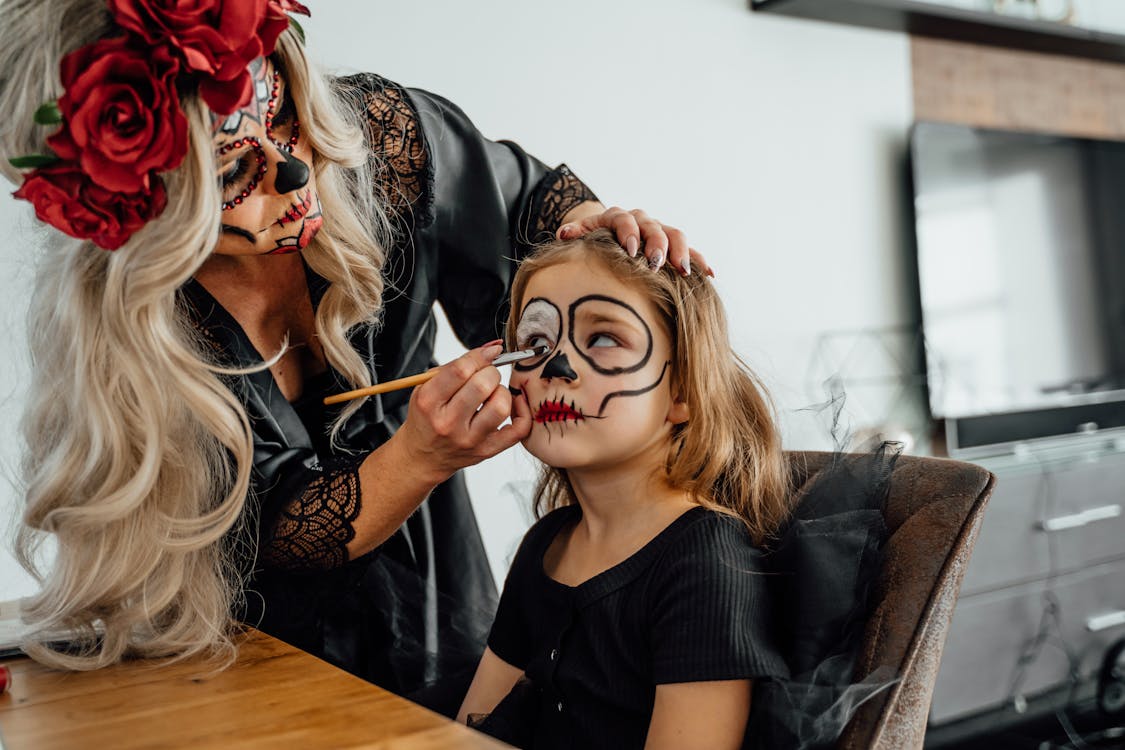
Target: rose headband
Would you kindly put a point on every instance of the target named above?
(120, 113)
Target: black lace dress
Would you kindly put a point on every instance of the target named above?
(413, 614)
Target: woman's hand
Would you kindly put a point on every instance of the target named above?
(453, 422)
(454, 419)
(634, 229)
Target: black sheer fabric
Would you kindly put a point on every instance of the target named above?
(413, 614)
(405, 174)
(314, 530)
(825, 564)
(553, 202)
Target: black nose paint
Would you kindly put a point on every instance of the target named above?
(292, 174)
(559, 367)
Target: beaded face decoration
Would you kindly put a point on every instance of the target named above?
(270, 204)
(279, 120)
(121, 123)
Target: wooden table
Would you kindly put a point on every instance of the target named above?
(274, 697)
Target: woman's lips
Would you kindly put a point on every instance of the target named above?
(309, 229)
(300, 241)
(557, 411)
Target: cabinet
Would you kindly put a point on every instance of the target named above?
(1048, 566)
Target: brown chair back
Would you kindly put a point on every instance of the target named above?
(933, 514)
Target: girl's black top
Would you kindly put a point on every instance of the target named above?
(691, 605)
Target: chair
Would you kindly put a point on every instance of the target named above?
(933, 514)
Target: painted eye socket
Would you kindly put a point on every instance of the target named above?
(540, 324)
(242, 175)
(536, 340)
(281, 117)
(285, 113)
(609, 334)
(237, 172)
(283, 125)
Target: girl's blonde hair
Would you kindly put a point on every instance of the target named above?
(137, 458)
(728, 454)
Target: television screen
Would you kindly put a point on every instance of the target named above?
(1021, 270)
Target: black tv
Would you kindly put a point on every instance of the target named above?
(1020, 241)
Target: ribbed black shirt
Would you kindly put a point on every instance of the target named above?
(689, 606)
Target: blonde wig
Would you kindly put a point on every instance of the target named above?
(137, 456)
(728, 455)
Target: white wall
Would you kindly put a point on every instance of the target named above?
(772, 141)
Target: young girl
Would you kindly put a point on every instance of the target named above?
(636, 606)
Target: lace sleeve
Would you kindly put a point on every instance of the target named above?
(404, 174)
(313, 531)
(558, 192)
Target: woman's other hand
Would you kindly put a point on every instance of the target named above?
(454, 420)
(636, 229)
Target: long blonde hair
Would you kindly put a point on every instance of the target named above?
(137, 457)
(728, 454)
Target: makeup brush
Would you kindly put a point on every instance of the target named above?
(506, 358)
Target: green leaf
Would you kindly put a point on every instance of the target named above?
(32, 161)
(299, 29)
(49, 114)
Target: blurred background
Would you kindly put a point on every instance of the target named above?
(912, 205)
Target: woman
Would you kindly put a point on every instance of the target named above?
(276, 237)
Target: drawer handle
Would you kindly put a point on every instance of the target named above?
(1081, 519)
(1106, 621)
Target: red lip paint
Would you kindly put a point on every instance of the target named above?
(557, 411)
(309, 230)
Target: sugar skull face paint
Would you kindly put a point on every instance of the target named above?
(270, 203)
(602, 394)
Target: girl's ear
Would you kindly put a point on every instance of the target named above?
(678, 413)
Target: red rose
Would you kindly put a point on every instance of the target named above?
(68, 200)
(288, 6)
(216, 38)
(122, 116)
(277, 20)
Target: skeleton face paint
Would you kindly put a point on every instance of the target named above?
(270, 203)
(601, 396)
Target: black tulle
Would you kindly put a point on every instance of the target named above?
(826, 561)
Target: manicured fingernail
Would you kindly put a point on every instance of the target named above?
(492, 351)
(686, 267)
(656, 261)
(711, 272)
(631, 246)
(565, 231)
(492, 343)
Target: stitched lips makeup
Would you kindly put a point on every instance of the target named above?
(558, 411)
(299, 210)
(310, 225)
